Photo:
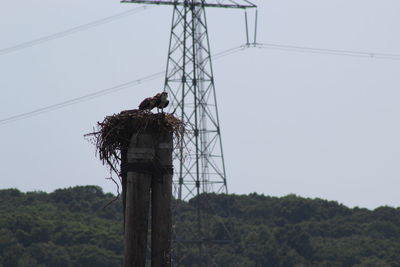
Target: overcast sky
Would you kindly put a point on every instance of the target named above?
(310, 124)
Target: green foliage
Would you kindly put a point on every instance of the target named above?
(70, 227)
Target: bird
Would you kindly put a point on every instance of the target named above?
(148, 103)
(161, 101)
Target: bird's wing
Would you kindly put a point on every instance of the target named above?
(158, 102)
(145, 103)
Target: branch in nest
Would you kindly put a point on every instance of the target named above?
(116, 198)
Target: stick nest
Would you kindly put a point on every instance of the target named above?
(112, 135)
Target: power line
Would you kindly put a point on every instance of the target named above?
(102, 92)
(224, 53)
(282, 47)
(230, 51)
(76, 29)
(80, 99)
(337, 52)
(271, 46)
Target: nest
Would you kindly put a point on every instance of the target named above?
(113, 134)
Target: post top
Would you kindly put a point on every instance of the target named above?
(114, 134)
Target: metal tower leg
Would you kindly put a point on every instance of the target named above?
(199, 161)
(190, 84)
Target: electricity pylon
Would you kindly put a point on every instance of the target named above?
(189, 80)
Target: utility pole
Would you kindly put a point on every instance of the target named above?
(189, 80)
(161, 210)
(140, 154)
(147, 171)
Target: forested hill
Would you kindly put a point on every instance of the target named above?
(69, 227)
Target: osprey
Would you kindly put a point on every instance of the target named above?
(148, 103)
(161, 101)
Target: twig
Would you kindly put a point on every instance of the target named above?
(116, 198)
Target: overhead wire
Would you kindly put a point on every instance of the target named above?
(224, 53)
(80, 99)
(337, 52)
(105, 91)
(76, 29)
(272, 46)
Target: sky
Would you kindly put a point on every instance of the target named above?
(314, 125)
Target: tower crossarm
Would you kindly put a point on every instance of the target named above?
(220, 4)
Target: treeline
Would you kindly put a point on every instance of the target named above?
(70, 227)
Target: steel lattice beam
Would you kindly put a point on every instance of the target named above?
(219, 4)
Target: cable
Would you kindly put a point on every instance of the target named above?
(81, 98)
(104, 91)
(76, 29)
(282, 47)
(304, 49)
(230, 51)
(216, 56)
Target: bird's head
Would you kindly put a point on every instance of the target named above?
(164, 96)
